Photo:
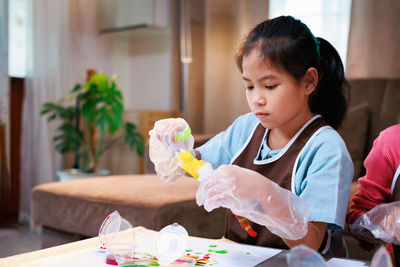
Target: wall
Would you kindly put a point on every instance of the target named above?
(227, 22)
(196, 75)
(142, 58)
(146, 61)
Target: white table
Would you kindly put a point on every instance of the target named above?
(221, 252)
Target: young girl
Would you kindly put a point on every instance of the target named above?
(294, 86)
(370, 208)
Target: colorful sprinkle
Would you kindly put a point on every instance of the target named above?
(213, 246)
(134, 265)
(221, 251)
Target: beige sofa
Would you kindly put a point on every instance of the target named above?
(374, 105)
(74, 210)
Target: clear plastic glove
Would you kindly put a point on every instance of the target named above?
(383, 222)
(168, 138)
(251, 195)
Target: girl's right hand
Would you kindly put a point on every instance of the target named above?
(168, 138)
(382, 223)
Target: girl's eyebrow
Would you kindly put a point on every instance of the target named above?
(266, 77)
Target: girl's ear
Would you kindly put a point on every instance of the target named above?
(310, 80)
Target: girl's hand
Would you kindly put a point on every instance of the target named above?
(383, 222)
(168, 138)
(251, 195)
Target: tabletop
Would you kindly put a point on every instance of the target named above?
(219, 252)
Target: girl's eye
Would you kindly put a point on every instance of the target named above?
(249, 87)
(270, 86)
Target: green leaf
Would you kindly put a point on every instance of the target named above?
(76, 88)
(134, 138)
(102, 122)
(90, 105)
(51, 117)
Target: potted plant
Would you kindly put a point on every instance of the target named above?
(90, 124)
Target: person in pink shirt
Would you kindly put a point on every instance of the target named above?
(374, 215)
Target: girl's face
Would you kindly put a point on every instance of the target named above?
(275, 97)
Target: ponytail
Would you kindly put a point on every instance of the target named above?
(330, 98)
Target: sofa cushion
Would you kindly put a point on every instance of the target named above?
(390, 112)
(354, 132)
(80, 206)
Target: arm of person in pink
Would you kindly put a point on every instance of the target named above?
(375, 187)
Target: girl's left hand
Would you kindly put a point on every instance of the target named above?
(249, 194)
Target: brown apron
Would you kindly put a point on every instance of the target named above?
(396, 197)
(279, 171)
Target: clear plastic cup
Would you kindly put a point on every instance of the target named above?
(117, 239)
(171, 244)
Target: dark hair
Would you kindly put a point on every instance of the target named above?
(289, 45)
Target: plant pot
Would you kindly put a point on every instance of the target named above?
(72, 174)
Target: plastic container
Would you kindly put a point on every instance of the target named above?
(117, 239)
(134, 259)
(183, 262)
(171, 244)
(381, 258)
(303, 256)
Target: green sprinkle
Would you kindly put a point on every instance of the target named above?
(213, 246)
(211, 250)
(198, 252)
(154, 264)
(188, 250)
(248, 253)
(221, 251)
(200, 264)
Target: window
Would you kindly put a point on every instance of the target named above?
(17, 38)
(329, 19)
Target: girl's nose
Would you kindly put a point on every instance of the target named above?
(259, 99)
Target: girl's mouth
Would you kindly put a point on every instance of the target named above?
(262, 115)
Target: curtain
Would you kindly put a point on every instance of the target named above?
(3, 65)
(374, 39)
(62, 45)
(5, 182)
